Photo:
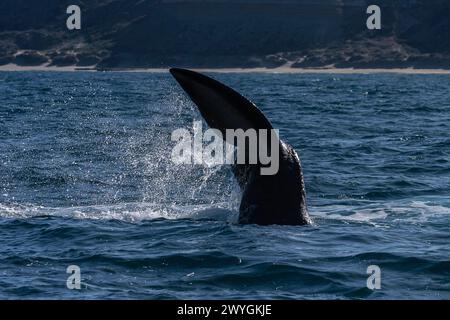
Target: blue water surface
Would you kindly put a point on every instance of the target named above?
(86, 179)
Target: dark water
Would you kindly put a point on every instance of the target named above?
(86, 179)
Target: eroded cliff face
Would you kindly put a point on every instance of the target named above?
(233, 33)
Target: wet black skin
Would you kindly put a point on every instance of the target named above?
(267, 199)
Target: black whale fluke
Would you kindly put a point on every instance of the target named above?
(221, 107)
(267, 199)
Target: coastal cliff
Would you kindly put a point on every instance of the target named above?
(118, 34)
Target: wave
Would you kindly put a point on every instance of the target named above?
(373, 213)
(129, 212)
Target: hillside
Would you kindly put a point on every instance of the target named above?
(233, 33)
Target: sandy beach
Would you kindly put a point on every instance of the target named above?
(13, 67)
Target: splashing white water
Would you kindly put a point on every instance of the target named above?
(376, 212)
(130, 212)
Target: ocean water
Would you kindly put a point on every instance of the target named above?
(86, 179)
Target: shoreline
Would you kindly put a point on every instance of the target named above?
(284, 70)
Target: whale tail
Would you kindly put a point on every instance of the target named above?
(277, 198)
